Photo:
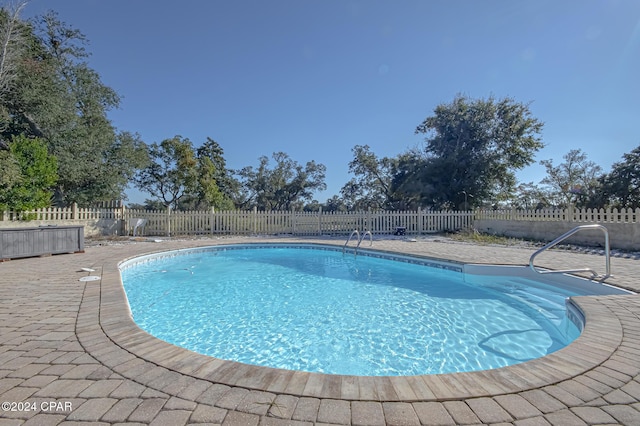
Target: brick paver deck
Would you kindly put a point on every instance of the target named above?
(69, 354)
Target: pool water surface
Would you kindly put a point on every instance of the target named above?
(319, 310)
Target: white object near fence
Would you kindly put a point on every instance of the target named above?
(137, 223)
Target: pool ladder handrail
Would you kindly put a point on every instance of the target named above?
(359, 239)
(362, 238)
(594, 274)
(355, 232)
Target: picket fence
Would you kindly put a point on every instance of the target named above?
(54, 214)
(246, 222)
(609, 215)
(296, 223)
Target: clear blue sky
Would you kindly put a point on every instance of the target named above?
(315, 78)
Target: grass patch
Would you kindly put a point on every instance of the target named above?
(473, 236)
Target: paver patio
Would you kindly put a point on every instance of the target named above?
(69, 354)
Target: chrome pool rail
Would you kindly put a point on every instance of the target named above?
(356, 233)
(358, 239)
(363, 237)
(594, 274)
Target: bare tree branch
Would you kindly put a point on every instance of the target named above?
(11, 45)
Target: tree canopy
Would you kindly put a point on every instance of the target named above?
(573, 181)
(371, 186)
(474, 146)
(621, 187)
(171, 173)
(472, 149)
(29, 173)
(48, 91)
(286, 186)
(183, 177)
(215, 185)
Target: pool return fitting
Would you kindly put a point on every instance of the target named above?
(594, 274)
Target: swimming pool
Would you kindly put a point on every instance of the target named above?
(369, 314)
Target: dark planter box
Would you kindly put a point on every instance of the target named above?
(41, 241)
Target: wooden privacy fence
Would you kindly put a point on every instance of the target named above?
(238, 222)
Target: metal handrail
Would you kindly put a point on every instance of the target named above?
(566, 235)
(362, 238)
(355, 232)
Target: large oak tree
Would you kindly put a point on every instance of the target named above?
(621, 187)
(48, 91)
(285, 186)
(473, 148)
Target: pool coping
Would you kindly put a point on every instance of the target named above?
(601, 336)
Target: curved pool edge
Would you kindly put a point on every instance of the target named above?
(601, 336)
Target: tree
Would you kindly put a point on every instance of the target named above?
(87, 144)
(530, 196)
(125, 156)
(50, 92)
(35, 173)
(371, 186)
(381, 183)
(12, 46)
(621, 187)
(216, 186)
(10, 175)
(408, 186)
(439, 185)
(148, 205)
(335, 204)
(185, 178)
(172, 171)
(574, 181)
(312, 206)
(284, 187)
(475, 147)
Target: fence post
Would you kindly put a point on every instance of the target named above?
(169, 220)
(293, 219)
(123, 222)
(569, 212)
(213, 218)
(255, 220)
(320, 222)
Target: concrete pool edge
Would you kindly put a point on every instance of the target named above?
(591, 349)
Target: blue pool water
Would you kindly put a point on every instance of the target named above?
(324, 311)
